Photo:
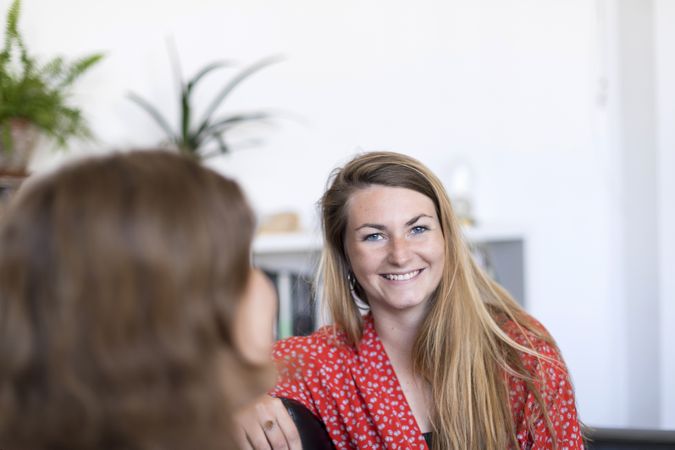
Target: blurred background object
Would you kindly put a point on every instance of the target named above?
(35, 98)
(204, 137)
(281, 222)
(460, 185)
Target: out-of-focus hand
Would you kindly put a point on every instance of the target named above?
(254, 324)
(265, 425)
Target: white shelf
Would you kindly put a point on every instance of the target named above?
(493, 233)
(265, 244)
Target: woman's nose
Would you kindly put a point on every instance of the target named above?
(399, 251)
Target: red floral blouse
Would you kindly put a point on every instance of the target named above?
(356, 393)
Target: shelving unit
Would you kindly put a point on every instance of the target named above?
(293, 260)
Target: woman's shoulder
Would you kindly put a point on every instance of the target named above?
(540, 380)
(537, 345)
(325, 343)
(526, 330)
(537, 364)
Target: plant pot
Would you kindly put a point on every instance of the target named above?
(24, 137)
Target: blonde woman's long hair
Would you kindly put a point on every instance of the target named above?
(461, 348)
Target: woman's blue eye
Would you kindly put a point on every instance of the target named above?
(373, 237)
(418, 229)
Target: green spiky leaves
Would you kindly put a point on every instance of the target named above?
(191, 137)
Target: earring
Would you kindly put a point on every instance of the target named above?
(351, 279)
(352, 282)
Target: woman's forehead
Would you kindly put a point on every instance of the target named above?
(377, 203)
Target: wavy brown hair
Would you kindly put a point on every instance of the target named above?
(119, 279)
(461, 348)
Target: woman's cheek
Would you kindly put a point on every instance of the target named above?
(254, 321)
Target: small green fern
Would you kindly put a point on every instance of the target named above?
(39, 92)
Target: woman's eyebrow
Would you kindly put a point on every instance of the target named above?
(370, 225)
(377, 226)
(416, 218)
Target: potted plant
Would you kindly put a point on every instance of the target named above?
(34, 98)
(205, 137)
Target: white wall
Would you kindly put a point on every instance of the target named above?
(635, 198)
(514, 87)
(665, 40)
(642, 87)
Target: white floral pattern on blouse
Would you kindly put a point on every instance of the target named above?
(355, 392)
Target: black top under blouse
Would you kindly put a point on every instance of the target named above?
(427, 437)
(313, 434)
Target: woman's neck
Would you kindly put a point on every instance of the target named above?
(398, 332)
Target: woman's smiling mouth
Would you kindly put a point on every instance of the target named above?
(401, 276)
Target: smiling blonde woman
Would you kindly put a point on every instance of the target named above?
(425, 350)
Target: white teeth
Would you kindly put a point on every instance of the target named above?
(401, 277)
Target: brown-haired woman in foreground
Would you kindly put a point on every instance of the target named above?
(125, 289)
(443, 358)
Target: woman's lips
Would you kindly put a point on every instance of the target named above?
(405, 276)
